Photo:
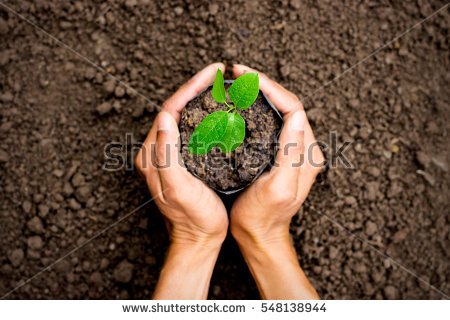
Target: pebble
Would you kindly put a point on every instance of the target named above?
(333, 252)
(78, 180)
(296, 4)
(400, 235)
(213, 8)
(371, 228)
(83, 193)
(35, 225)
(178, 11)
(423, 159)
(119, 92)
(16, 257)
(74, 204)
(63, 266)
(109, 86)
(67, 189)
(350, 200)
(35, 242)
(390, 292)
(43, 210)
(123, 272)
(58, 173)
(96, 278)
(104, 108)
(104, 263)
(372, 190)
(26, 206)
(373, 171)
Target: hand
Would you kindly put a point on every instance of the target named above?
(195, 216)
(260, 217)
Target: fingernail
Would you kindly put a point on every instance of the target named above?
(164, 121)
(297, 122)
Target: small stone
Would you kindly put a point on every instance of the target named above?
(35, 225)
(96, 278)
(360, 268)
(63, 266)
(400, 235)
(296, 4)
(35, 242)
(74, 204)
(119, 91)
(83, 193)
(333, 252)
(104, 263)
(130, 3)
(123, 272)
(43, 210)
(178, 11)
(213, 8)
(390, 58)
(26, 206)
(58, 173)
(390, 292)
(373, 171)
(109, 86)
(423, 159)
(16, 257)
(350, 200)
(67, 189)
(372, 191)
(78, 180)
(104, 108)
(371, 228)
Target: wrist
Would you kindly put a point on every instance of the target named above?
(187, 271)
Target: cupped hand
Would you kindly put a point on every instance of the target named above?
(262, 214)
(193, 212)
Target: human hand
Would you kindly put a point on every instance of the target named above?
(195, 216)
(260, 217)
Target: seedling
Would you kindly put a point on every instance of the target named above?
(225, 129)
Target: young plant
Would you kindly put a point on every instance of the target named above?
(225, 129)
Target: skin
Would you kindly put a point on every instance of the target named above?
(196, 218)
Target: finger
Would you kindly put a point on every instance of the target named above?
(284, 100)
(168, 158)
(192, 88)
(290, 156)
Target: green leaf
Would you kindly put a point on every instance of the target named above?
(244, 90)
(220, 128)
(234, 133)
(218, 90)
(208, 133)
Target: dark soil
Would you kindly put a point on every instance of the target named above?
(239, 168)
(380, 230)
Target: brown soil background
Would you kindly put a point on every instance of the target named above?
(393, 108)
